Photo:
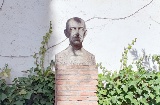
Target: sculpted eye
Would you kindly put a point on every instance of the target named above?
(73, 28)
(80, 28)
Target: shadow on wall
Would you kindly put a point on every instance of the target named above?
(148, 61)
(23, 25)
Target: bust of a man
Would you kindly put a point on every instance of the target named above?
(75, 54)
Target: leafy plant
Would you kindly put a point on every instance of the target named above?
(124, 87)
(35, 89)
(5, 72)
(129, 87)
(156, 58)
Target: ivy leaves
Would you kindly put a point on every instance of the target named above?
(5, 72)
(35, 89)
(31, 90)
(140, 88)
(129, 87)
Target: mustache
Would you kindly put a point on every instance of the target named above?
(77, 34)
(76, 38)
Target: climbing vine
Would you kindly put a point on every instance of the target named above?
(129, 86)
(124, 87)
(35, 89)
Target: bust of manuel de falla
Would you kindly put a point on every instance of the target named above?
(75, 54)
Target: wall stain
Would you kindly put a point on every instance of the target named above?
(2, 5)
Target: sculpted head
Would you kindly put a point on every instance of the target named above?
(75, 31)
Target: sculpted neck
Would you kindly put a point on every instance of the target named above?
(76, 50)
(76, 47)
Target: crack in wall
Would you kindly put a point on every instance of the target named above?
(121, 18)
(154, 20)
(23, 56)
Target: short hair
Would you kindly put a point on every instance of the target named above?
(77, 19)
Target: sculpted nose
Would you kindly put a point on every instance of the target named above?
(77, 34)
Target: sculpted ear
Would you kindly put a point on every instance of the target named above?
(85, 33)
(66, 33)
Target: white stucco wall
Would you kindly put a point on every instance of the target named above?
(22, 25)
(107, 38)
(24, 22)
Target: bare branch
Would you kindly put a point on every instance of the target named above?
(122, 18)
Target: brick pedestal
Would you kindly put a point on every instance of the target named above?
(76, 85)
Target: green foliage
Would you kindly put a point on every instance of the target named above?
(31, 90)
(129, 87)
(124, 54)
(35, 89)
(156, 58)
(125, 87)
(5, 72)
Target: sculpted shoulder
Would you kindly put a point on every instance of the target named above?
(89, 54)
(61, 56)
(67, 57)
(90, 58)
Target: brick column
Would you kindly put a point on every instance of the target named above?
(76, 85)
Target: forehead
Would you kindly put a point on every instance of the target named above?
(73, 23)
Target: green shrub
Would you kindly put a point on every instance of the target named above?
(127, 86)
(124, 87)
(35, 89)
(31, 90)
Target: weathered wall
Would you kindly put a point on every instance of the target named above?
(112, 24)
(22, 25)
(24, 22)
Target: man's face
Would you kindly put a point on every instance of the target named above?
(76, 32)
